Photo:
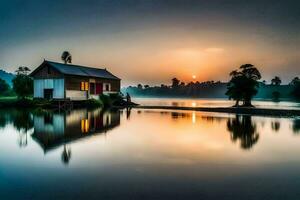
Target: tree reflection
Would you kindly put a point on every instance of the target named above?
(3, 121)
(23, 122)
(296, 126)
(66, 155)
(128, 112)
(275, 126)
(242, 128)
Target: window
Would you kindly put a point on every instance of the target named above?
(106, 87)
(84, 86)
(85, 126)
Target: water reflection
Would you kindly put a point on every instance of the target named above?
(296, 126)
(275, 125)
(55, 129)
(66, 155)
(243, 129)
(174, 150)
(21, 120)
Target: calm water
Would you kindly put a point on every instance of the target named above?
(213, 103)
(147, 154)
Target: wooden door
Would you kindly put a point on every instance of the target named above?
(99, 88)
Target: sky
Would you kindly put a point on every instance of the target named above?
(152, 41)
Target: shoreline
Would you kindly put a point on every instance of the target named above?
(231, 110)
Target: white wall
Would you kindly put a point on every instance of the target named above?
(58, 86)
(76, 94)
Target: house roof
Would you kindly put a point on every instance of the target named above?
(78, 70)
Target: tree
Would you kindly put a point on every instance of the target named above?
(275, 95)
(66, 57)
(22, 70)
(22, 83)
(294, 81)
(276, 81)
(243, 84)
(296, 90)
(175, 83)
(139, 86)
(4, 87)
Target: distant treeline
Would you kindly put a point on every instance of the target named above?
(208, 89)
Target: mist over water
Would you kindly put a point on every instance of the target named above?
(211, 102)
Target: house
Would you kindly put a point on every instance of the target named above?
(59, 81)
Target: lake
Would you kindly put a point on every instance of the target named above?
(147, 154)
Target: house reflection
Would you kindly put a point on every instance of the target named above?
(53, 130)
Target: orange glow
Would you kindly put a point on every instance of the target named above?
(86, 86)
(84, 125)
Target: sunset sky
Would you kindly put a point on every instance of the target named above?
(152, 41)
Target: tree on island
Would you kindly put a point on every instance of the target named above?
(243, 84)
(276, 81)
(22, 83)
(66, 57)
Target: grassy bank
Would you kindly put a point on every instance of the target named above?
(113, 100)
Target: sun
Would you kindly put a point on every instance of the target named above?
(194, 76)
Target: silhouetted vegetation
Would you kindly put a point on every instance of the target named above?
(296, 88)
(207, 89)
(243, 84)
(66, 57)
(275, 95)
(22, 83)
(242, 129)
(5, 89)
(276, 81)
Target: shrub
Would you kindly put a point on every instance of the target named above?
(93, 103)
(106, 100)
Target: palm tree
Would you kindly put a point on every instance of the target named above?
(66, 57)
(243, 84)
(276, 81)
